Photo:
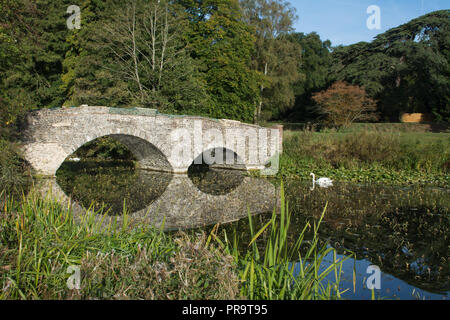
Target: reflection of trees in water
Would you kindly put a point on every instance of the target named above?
(412, 244)
(402, 230)
(110, 184)
(215, 181)
(222, 175)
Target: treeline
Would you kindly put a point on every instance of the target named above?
(220, 58)
(406, 69)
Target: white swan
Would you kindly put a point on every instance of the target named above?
(74, 159)
(322, 182)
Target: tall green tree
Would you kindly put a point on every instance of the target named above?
(314, 69)
(134, 53)
(407, 68)
(32, 53)
(148, 48)
(83, 59)
(223, 43)
(275, 56)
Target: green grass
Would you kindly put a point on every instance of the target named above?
(39, 240)
(15, 175)
(399, 127)
(368, 156)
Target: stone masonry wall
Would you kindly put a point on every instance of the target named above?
(158, 141)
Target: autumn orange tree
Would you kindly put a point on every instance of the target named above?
(342, 104)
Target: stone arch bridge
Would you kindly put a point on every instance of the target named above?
(158, 141)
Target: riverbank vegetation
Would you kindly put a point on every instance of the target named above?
(367, 156)
(223, 59)
(228, 59)
(39, 241)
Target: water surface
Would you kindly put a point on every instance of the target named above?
(402, 230)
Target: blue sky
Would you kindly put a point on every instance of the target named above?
(344, 21)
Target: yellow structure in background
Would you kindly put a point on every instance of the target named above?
(416, 118)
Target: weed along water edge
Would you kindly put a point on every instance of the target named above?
(41, 241)
(224, 150)
(272, 247)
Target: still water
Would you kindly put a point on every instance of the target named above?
(402, 230)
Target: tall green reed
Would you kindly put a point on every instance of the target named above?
(282, 270)
(40, 239)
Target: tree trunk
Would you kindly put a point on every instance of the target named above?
(258, 111)
(136, 67)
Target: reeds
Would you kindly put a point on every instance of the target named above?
(278, 269)
(39, 240)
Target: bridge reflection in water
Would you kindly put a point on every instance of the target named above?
(175, 201)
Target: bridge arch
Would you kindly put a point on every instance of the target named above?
(220, 157)
(51, 135)
(145, 152)
(148, 155)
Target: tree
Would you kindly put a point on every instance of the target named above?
(83, 59)
(342, 104)
(407, 68)
(222, 44)
(275, 56)
(145, 40)
(31, 54)
(314, 69)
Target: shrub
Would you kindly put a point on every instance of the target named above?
(342, 104)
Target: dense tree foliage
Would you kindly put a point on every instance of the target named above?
(314, 71)
(407, 68)
(238, 59)
(275, 56)
(222, 43)
(32, 50)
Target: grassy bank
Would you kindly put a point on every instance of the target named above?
(15, 174)
(39, 241)
(368, 156)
